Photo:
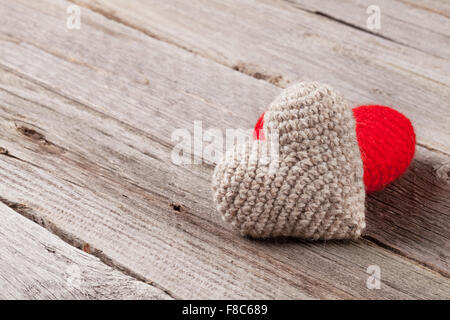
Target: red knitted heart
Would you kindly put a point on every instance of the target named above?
(386, 141)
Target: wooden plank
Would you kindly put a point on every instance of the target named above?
(274, 41)
(416, 24)
(93, 164)
(36, 264)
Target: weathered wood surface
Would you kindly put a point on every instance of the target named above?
(87, 135)
(36, 264)
(423, 25)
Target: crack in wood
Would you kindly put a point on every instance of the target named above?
(18, 207)
(6, 153)
(255, 72)
(32, 134)
(327, 16)
(38, 137)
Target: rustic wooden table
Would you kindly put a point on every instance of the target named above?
(87, 117)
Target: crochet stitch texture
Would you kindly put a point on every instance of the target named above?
(314, 189)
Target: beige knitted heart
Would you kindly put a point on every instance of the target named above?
(314, 189)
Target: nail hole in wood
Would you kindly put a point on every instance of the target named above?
(87, 248)
(176, 207)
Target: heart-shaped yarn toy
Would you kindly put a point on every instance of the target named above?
(314, 187)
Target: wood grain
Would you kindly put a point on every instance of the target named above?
(416, 24)
(412, 215)
(36, 264)
(88, 151)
